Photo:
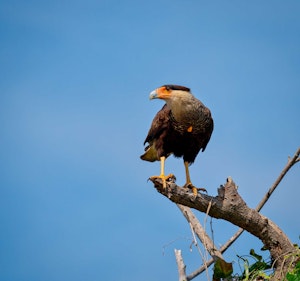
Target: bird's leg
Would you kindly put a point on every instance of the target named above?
(188, 183)
(162, 172)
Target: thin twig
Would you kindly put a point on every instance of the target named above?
(199, 250)
(290, 163)
(211, 261)
(199, 230)
(204, 225)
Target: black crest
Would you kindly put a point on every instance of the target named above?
(176, 87)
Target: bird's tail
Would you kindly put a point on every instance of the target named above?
(150, 154)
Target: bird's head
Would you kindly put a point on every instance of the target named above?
(169, 92)
(178, 98)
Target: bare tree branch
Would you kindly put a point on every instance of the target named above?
(180, 265)
(228, 205)
(291, 161)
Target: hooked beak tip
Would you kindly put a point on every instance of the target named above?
(153, 95)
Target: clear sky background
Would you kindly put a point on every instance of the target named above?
(75, 78)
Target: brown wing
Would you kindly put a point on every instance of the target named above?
(159, 126)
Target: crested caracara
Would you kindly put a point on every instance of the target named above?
(182, 127)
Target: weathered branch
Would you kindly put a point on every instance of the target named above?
(180, 265)
(291, 161)
(228, 205)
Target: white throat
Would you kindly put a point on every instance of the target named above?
(177, 105)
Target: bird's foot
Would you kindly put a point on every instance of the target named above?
(169, 178)
(194, 189)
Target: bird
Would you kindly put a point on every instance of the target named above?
(183, 127)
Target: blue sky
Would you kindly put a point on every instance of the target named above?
(75, 77)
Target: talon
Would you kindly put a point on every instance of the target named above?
(194, 188)
(202, 189)
(169, 178)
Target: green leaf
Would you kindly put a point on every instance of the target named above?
(253, 254)
(292, 277)
(222, 269)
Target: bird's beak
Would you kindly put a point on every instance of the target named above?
(160, 93)
(153, 95)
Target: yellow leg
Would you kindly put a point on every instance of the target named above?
(187, 173)
(162, 166)
(162, 172)
(189, 182)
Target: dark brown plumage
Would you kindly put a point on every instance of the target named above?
(182, 127)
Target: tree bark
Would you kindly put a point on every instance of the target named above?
(180, 265)
(229, 205)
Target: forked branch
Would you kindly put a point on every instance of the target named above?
(228, 205)
(291, 162)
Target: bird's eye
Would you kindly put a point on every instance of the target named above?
(167, 88)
